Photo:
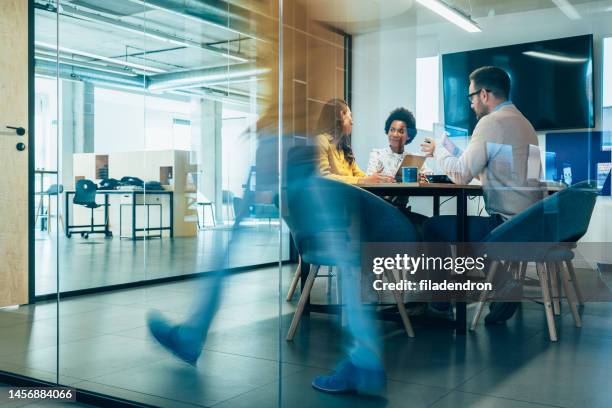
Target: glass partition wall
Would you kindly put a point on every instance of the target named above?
(399, 56)
(29, 333)
(157, 157)
(164, 131)
(180, 84)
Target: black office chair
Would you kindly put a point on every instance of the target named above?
(85, 195)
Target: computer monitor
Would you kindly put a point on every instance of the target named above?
(454, 131)
(550, 166)
(603, 172)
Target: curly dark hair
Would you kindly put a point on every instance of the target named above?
(404, 115)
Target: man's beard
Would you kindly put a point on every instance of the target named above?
(483, 113)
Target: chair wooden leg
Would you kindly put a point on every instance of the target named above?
(514, 269)
(328, 283)
(399, 300)
(341, 273)
(314, 269)
(483, 295)
(554, 285)
(572, 274)
(567, 288)
(295, 280)
(522, 272)
(550, 318)
(338, 287)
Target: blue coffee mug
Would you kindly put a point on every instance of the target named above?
(409, 174)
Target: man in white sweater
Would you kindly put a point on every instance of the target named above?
(501, 154)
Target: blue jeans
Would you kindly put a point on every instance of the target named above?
(365, 351)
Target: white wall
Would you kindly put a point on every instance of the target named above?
(238, 149)
(384, 71)
(133, 122)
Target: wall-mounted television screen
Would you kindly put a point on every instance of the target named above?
(552, 82)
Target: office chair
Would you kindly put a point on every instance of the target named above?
(546, 232)
(322, 214)
(85, 195)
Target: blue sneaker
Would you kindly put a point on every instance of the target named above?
(168, 336)
(349, 378)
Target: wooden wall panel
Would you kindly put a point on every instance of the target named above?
(313, 67)
(13, 164)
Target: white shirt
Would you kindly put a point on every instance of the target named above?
(386, 161)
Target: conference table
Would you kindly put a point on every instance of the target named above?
(435, 190)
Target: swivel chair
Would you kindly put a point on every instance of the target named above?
(85, 195)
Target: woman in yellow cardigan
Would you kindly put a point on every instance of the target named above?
(336, 159)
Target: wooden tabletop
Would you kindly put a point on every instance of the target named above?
(421, 185)
(550, 187)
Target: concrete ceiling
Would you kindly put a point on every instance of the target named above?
(140, 38)
(160, 37)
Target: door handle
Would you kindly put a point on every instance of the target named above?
(19, 130)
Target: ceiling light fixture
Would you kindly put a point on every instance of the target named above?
(451, 14)
(201, 77)
(567, 9)
(82, 64)
(116, 61)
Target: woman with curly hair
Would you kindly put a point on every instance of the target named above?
(400, 128)
(336, 158)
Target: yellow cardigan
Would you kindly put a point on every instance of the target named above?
(332, 163)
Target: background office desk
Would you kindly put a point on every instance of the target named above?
(132, 194)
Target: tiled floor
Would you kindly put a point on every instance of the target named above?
(104, 346)
(95, 262)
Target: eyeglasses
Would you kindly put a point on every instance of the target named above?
(469, 96)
